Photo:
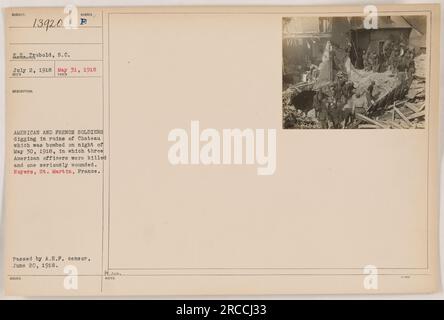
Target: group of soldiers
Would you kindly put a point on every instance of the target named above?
(335, 105)
(393, 55)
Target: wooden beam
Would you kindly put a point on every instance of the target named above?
(368, 126)
(416, 115)
(364, 118)
(394, 124)
(411, 107)
(400, 102)
(403, 117)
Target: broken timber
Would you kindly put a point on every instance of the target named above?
(364, 118)
(416, 115)
(406, 120)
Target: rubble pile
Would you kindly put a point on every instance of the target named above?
(400, 115)
(409, 112)
(293, 90)
(397, 100)
(416, 94)
(384, 81)
(420, 65)
(296, 119)
(293, 117)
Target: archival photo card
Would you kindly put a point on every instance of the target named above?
(147, 150)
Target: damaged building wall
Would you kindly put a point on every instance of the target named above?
(373, 39)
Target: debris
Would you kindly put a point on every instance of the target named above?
(420, 66)
(368, 126)
(374, 122)
(411, 107)
(410, 112)
(394, 124)
(402, 116)
(392, 99)
(416, 115)
(296, 119)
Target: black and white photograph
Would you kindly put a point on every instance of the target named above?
(339, 73)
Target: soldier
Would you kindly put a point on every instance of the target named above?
(348, 112)
(335, 112)
(411, 64)
(347, 89)
(402, 44)
(317, 100)
(370, 93)
(364, 60)
(312, 73)
(395, 58)
(339, 85)
(369, 61)
(323, 112)
(359, 103)
(376, 63)
(387, 49)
